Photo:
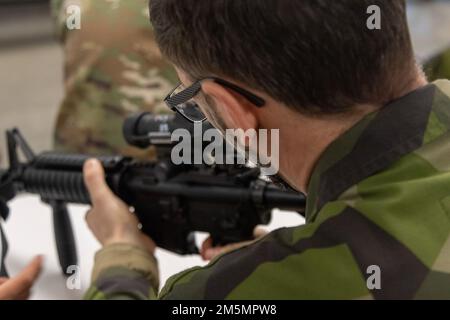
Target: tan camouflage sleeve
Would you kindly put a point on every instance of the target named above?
(112, 69)
(123, 271)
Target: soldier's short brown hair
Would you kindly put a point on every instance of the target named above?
(317, 56)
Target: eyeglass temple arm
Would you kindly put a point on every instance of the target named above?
(195, 88)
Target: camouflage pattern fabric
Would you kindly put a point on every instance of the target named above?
(379, 196)
(439, 67)
(113, 68)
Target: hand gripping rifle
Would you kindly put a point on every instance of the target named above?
(170, 201)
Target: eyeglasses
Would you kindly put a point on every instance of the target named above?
(181, 98)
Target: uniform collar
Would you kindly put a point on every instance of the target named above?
(371, 146)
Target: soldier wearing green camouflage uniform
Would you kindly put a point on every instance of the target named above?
(379, 196)
(379, 192)
(113, 68)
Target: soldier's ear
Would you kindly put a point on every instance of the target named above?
(236, 111)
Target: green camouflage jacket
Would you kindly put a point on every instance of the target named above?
(379, 199)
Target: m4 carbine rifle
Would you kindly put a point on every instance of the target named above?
(171, 201)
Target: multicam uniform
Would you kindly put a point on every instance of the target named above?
(379, 196)
(113, 68)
